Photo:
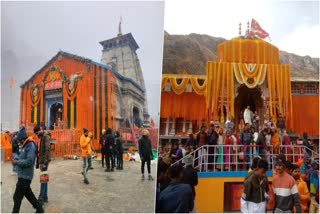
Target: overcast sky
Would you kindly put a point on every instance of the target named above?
(293, 25)
(33, 32)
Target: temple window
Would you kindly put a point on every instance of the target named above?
(295, 89)
(310, 89)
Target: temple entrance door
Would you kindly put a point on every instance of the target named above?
(136, 117)
(247, 96)
(55, 109)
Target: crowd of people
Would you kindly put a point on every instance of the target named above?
(295, 182)
(176, 187)
(112, 152)
(27, 155)
(223, 147)
(291, 192)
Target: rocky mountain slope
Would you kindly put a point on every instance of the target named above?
(191, 52)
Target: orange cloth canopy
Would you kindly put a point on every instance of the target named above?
(245, 50)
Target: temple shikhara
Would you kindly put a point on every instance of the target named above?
(71, 92)
(248, 71)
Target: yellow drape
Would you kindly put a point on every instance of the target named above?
(72, 114)
(219, 80)
(35, 113)
(279, 88)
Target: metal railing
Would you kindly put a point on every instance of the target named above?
(212, 158)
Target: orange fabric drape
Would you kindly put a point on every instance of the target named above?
(279, 88)
(220, 79)
(187, 105)
(112, 100)
(240, 50)
(306, 121)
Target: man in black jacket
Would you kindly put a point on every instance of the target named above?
(109, 150)
(145, 152)
(103, 147)
(44, 160)
(119, 150)
(213, 137)
(190, 175)
(256, 189)
(261, 142)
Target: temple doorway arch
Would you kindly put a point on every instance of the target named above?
(136, 116)
(247, 96)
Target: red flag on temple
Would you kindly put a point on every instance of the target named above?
(256, 30)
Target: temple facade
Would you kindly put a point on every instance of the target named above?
(72, 92)
(247, 72)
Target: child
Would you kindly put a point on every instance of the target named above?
(302, 189)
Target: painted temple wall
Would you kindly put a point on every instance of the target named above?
(85, 102)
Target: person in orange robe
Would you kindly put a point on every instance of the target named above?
(275, 140)
(302, 189)
(85, 145)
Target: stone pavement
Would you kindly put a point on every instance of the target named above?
(119, 191)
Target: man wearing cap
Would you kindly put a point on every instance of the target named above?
(25, 166)
(145, 152)
(44, 159)
(285, 189)
(86, 151)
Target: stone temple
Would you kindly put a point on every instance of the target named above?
(71, 92)
(120, 54)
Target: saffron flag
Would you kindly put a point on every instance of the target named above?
(153, 125)
(11, 81)
(256, 30)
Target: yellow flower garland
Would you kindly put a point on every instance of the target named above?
(247, 73)
(270, 89)
(163, 82)
(232, 90)
(222, 89)
(178, 88)
(199, 89)
(186, 79)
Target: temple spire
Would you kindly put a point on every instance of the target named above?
(248, 29)
(239, 28)
(119, 30)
